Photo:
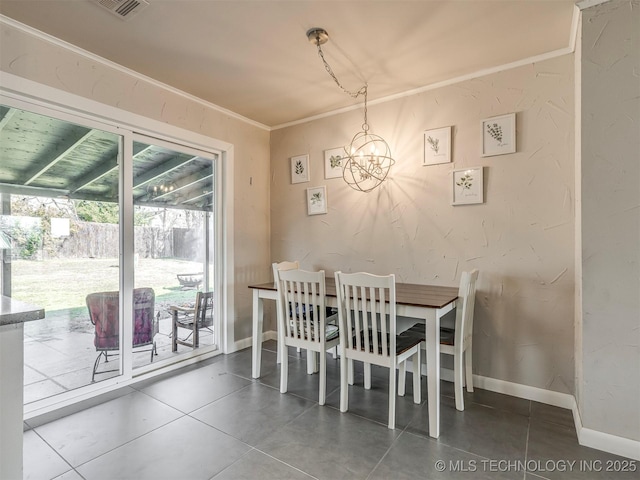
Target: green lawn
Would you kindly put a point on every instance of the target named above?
(63, 284)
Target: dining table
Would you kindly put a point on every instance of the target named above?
(426, 303)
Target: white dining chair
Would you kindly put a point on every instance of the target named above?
(367, 322)
(458, 341)
(284, 265)
(301, 305)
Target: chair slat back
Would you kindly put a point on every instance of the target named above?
(367, 313)
(301, 304)
(464, 312)
(285, 265)
(469, 313)
(203, 312)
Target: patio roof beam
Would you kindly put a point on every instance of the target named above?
(6, 117)
(161, 170)
(95, 175)
(67, 147)
(150, 203)
(32, 191)
(184, 185)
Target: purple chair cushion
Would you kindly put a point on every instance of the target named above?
(104, 312)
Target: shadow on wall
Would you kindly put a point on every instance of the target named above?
(506, 323)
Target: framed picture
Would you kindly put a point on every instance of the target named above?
(499, 135)
(467, 186)
(300, 169)
(437, 146)
(334, 162)
(316, 200)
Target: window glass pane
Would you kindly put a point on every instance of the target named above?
(173, 216)
(59, 242)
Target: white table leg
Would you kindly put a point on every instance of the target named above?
(312, 362)
(433, 373)
(256, 351)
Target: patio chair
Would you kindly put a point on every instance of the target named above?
(104, 313)
(193, 318)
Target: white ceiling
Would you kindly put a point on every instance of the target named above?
(253, 57)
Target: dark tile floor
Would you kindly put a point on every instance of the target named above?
(212, 421)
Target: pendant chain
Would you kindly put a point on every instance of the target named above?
(362, 91)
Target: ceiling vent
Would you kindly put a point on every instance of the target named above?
(125, 9)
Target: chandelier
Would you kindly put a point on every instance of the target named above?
(368, 157)
(160, 189)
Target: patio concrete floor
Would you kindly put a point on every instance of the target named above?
(59, 353)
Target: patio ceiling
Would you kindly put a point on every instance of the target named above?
(46, 157)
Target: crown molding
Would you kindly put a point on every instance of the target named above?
(127, 71)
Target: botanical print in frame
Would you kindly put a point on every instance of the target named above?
(300, 169)
(334, 162)
(437, 146)
(468, 186)
(499, 135)
(316, 200)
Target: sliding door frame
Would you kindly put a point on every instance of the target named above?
(32, 96)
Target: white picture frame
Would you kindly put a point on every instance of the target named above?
(467, 185)
(334, 159)
(300, 169)
(316, 200)
(499, 135)
(437, 146)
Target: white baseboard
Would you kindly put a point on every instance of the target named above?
(248, 342)
(586, 436)
(557, 399)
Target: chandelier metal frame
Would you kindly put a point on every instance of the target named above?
(368, 156)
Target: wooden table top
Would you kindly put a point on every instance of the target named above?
(432, 296)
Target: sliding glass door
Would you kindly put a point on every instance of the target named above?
(60, 246)
(173, 198)
(113, 234)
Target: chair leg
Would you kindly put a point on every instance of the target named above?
(284, 370)
(417, 394)
(346, 369)
(174, 331)
(468, 358)
(402, 375)
(323, 378)
(367, 376)
(392, 397)
(350, 372)
(95, 365)
(279, 346)
(457, 380)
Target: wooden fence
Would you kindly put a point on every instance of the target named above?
(101, 240)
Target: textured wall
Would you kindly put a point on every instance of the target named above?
(521, 238)
(611, 218)
(31, 57)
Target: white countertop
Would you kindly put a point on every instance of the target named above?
(15, 311)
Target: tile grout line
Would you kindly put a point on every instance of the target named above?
(56, 451)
